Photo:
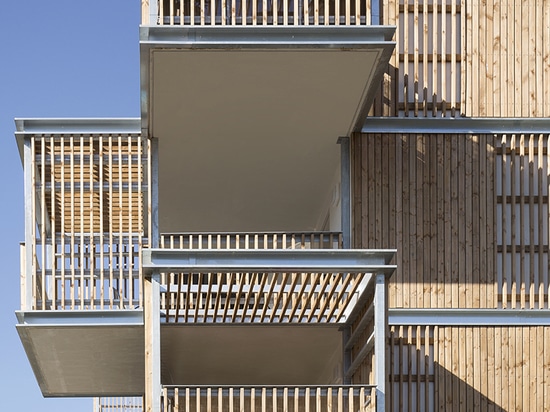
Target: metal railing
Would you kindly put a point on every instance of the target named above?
(356, 398)
(85, 220)
(256, 12)
(256, 297)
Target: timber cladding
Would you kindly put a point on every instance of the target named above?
(467, 58)
(469, 368)
(468, 215)
(431, 197)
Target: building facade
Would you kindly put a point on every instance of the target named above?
(324, 206)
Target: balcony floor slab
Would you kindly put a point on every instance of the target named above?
(82, 353)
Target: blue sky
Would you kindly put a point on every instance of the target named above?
(58, 58)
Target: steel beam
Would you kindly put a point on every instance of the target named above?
(80, 317)
(460, 125)
(268, 36)
(277, 260)
(469, 317)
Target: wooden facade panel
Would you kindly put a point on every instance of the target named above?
(440, 216)
(522, 182)
(423, 78)
(469, 368)
(507, 65)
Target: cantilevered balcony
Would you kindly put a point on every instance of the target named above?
(86, 196)
(247, 116)
(281, 298)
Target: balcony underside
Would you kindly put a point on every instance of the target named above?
(248, 118)
(85, 353)
(245, 355)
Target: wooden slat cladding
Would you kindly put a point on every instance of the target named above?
(423, 78)
(412, 369)
(522, 181)
(469, 368)
(507, 67)
(431, 197)
(260, 12)
(89, 208)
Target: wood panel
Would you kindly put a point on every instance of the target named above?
(440, 219)
(423, 78)
(507, 59)
(469, 368)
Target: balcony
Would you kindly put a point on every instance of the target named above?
(280, 298)
(256, 111)
(259, 12)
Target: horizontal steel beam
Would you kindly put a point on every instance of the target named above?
(469, 317)
(267, 36)
(60, 126)
(115, 317)
(49, 126)
(461, 125)
(278, 260)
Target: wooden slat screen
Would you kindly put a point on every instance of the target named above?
(412, 369)
(89, 206)
(431, 197)
(469, 368)
(522, 181)
(424, 74)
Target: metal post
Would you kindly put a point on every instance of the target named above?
(154, 229)
(151, 291)
(29, 225)
(375, 13)
(380, 341)
(345, 190)
(346, 361)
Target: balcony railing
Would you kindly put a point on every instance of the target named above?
(256, 12)
(252, 240)
(269, 399)
(86, 223)
(274, 297)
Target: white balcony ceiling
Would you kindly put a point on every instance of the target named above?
(250, 355)
(247, 127)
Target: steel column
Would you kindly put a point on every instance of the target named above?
(151, 291)
(29, 225)
(380, 341)
(345, 191)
